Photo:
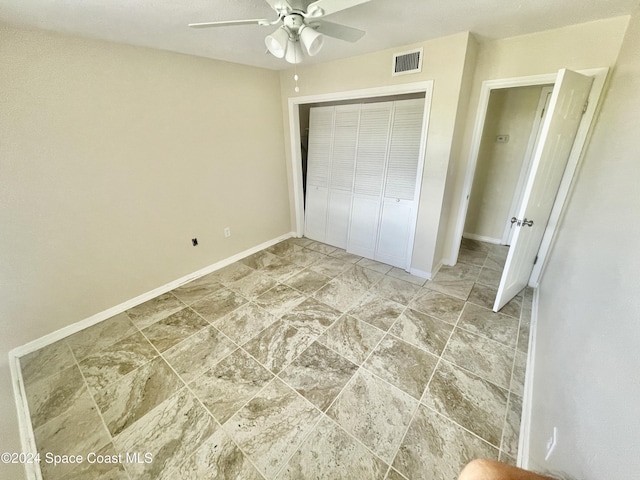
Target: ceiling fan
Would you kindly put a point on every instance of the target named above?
(301, 24)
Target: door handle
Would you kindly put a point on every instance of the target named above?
(521, 223)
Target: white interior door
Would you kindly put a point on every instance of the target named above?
(550, 157)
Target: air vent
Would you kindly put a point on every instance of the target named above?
(407, 62)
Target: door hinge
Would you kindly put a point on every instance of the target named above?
(586, 104)
(535, 260)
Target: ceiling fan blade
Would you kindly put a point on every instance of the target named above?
(258, 21)
(320, 8)
(338, 31)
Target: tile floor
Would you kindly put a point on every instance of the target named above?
(301, 361)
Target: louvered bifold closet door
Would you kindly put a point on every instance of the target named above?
(318, 172)
(371, 156)
(399, 202)
(345, 140)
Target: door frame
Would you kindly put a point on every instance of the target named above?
(599, 78)
(425, 87)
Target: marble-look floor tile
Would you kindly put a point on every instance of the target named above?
(279, 300)
(321, 247)
(437, 445)
(154, 310)
(284, 248)
(511, 433)
(54, 395)
(340, 296)
(486, 297)
(311, 316)
(439, 305)
(496, 326)
(305, 258)
(100, 335)
(508, 459)
(272, 426)
(329, 453)
(352, 338)
(377, 311)
(472, 257)
(400, 274)
(489, 359)
(523, 336)
(232, 273)
(302, 241)
(175, 328)
(282, 269)
(246, 322)
(374, 412)
(253, 285)
(218, 304)
(99, 470)
(198, 353)
(395, 289)
(307, 281)
(345, 256)
(115, 361)
(394, 475)
(170, 432)
(229, 384)
(476, 404)
(490, 278)
(476, 245)
(519, 372)
(218, 458)
(375, 266)
(46, 361)
(319, 374)
(198, 288)
(134, 395)
(422, 330)
(456, 281)
(330, 266)
(360, 277)
(79, 431)
(260, 260)
(405, 366)
(278, 345)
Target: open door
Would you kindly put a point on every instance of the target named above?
(550, 157)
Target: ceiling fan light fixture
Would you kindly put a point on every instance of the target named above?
(277, 42)
(294, 52)
(311, 39)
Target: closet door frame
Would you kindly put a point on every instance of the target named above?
(425, 87)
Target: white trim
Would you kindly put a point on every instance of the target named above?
(105, 314)
(296, 155)
(422, 274)
(527, 397)
(482, 238)
(27, 438)
(599, 75)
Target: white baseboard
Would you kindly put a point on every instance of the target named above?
(24, 417)
(527, 398)
(105, 314)
(480, 238)
(423, 274)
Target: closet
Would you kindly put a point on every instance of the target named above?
(362, 177)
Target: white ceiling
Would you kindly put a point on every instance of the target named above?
(162, 24)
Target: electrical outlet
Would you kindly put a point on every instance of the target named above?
(194, 241)
(227, 232)
(551, 443)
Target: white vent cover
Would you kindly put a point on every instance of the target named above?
(407, 62)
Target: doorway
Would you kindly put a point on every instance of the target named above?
(565, 104)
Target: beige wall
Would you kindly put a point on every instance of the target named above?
(587, 361)
(511, 111)
(587, 45)
(111, 159)
(444, 63)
